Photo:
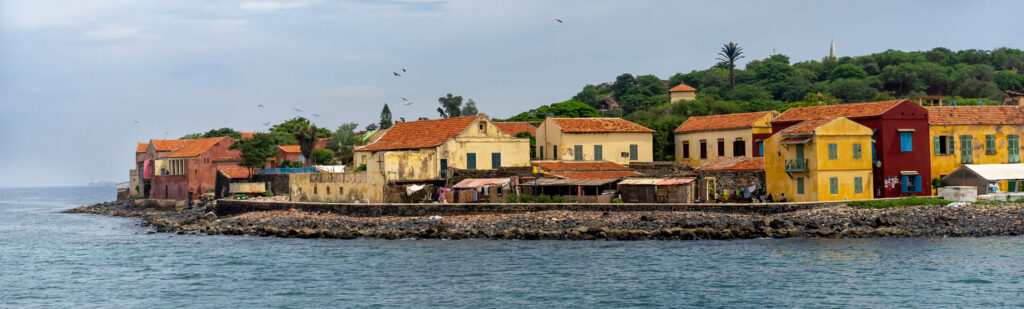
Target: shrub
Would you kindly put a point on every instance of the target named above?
(618, 201)
(525, 198)
(906, 201)
(211, 191)
(511, 198)
(543, 199)
(360, 168)
(269, 193)
(557, 199)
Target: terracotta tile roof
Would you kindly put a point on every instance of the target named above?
(162, 145)
(806, 126)
(511, 128)
(247, 134)
(195, 148)
(720, 122)
(420, 134)
(599, 125)
(682, 88)
(595, 175)
(734, 164)
(559, 166)
(234, 172)
(290, 148)
(141, 147)
(853, 110)
(974, 114)
(228, 158)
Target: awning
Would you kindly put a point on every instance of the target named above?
(480, 182)
(794, 140)
(909, 173)
(905, 130)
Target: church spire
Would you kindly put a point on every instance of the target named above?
(832, 51)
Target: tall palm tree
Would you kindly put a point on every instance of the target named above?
(730, 53)
(307, 141)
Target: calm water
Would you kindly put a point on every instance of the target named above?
(50, 259)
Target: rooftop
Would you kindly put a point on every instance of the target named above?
(682, 88)
(290, 148)
(511, 128)
(420, 134)
(570, 166)
(162, 145)
(599, 125)
(721, 122)
(734, 164)
(141, 147)
(975, 114)
(195, 148)
(234, 172)
(595, 175)
(852, 110)
(806, 126)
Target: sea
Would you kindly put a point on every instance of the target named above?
(55, 260)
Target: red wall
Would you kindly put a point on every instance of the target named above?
(758, 138)
(169, 187)
(200, 174)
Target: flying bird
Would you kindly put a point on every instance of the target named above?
(266, 123)
(297, 110)
(315, 115)
(136, 121)
(404, 99)
(261, 105)
(403, 70)
(407, 104)
(396, 73)
(558, 20)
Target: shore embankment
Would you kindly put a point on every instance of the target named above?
(832, 221)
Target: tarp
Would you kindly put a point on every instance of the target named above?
(481, 182)
(330, 168)
(413, 188)
(656, 181)
(997, 171)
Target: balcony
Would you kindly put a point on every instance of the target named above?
(796, 166)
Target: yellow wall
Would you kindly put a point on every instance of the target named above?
(944, 164)
(682, 95)
(844, 133)
(612, 144)
(711, 137)
(340, 187)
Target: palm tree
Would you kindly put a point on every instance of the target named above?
(730, 53)
(307, 141)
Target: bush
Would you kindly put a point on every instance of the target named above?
(269, 193)
(511, 198)
(618, 201)
(525, 198)
(557, 199)
(906, 201)
(360, 168)
(543, 199)
(211, 191)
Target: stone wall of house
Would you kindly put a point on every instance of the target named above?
(662, 169)
(729, 180)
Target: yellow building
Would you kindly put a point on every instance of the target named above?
(819, 160)
(682, 92)
(703, 138)
(594, 139)
(427, 149)
(974, 135)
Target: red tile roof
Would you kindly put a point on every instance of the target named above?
(141, 147)
(682, 88)
(195, 148)
(720, 122)
(228, 158)
(420, 134)
(595, 175)
(234, 172)
(853, 110)
(559, 166)
(805, 127)
(734, 164)
(162, 145)
(511, 128)
(290, 148)
(599, 125)
(975, 114)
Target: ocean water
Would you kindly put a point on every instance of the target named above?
(51, 259)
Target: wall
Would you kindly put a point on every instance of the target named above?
(944, 164)
(903, 116)
(174, 187)
(682, 95)
(712, 137)
(340, 187)
(134, 182)
(844, 133)
(728, 180)
(612, 144)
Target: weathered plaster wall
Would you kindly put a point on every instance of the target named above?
(943, 164)
(340, 187)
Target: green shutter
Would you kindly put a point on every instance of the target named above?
(833, 185)
(1011, 186)
(470, 161)
(495, 160)
(856, 151)
(833, 151)
(990, 144)
(540, 153)
(950, 145)
(577, 152)
(799, 185)
(938, 144)
(1013, 148)
(633, 155)
(966, 155)
(598, 153)
(858, 186)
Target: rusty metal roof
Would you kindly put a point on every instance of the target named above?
(481, 182)
(656, 181)
(568, 182)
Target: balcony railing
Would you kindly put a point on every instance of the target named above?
(796, 166)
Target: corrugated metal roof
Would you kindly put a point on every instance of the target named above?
(656, 181)
(997, 171)
(568, 182)
(481, 182)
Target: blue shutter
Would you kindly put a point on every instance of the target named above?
(906, 141)
(760, 148)
(904, 181)
(917, 183)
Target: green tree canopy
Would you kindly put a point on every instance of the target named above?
(385, 117)
(256, 150)
(291, 126)
(215, 133)
(343, 141)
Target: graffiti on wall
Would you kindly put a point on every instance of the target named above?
(891, 182)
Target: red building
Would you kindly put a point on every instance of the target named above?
(193, 168)
(900, 142)
(291, 153)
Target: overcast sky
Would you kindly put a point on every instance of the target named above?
(76, 75)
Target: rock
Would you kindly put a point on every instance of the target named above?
(210, 216)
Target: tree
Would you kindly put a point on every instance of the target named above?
(451, 106)
(307, 140)
(215, 133)
(588, 95)
(623, 84)
(848, 70)
(371, 127)
(256, 150)
(470, 109)
(291, 126)
(323, 157)
(385, 117)
(730, 53)
(343, 141)
(533, 142)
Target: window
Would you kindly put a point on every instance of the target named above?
(495, 160)
(990, 144)
(910, 183)
(554, 152)
(703, 149)
(540, 153)
(1013, 148)
(470, 161)
(328, 190)
(483, 129)
(906, 142)
(944, 145)
(739, 148)
(686, 150)
(314, 190)
(858, 185)
(856, 151)
(1011, 186)
(633, 152)
(833, 185)
(799, 185)
(598, 153)
(966, 155)
(833, 151)
(577, 152)
(721, 147)
(760, 148)
(443, 171)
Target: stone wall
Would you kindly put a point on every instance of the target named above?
(233, 207)
(459, 175)
(662, 169)
(729, 180)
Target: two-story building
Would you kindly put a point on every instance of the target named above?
(899, 148)
(703, 138)
(973, 134)
(594, 139)
(193, 168)
(820, 160)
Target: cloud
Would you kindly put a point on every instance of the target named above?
(115, 33)
(271, 6)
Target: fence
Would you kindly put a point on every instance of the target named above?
(293, 170)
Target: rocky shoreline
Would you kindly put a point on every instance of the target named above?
(833, 222)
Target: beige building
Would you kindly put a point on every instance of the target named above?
(682, 92)
(703, 138)
(594, 139)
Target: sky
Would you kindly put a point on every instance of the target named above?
(81, 82)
